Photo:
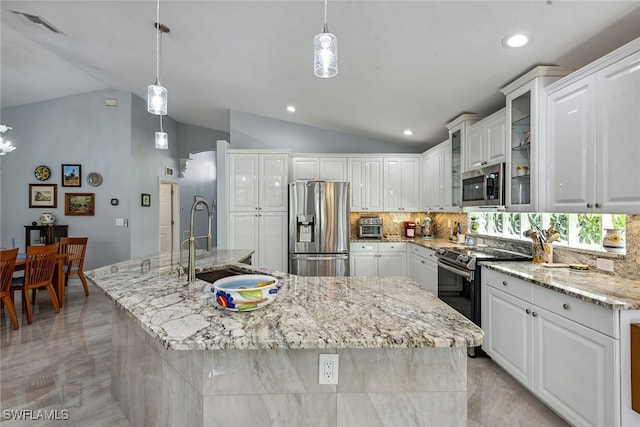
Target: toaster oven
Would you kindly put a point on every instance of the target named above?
(370, 227)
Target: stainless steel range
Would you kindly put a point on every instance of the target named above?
(459, 277)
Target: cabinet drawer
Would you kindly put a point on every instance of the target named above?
(511, 285)
(588, 314)
(363, 247)
(392, 247)
(422, 251)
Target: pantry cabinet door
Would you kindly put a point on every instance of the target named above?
(571, 157)
(618, 137)
(273, 250)
(273, 190)
(243, 182)
(243, 232)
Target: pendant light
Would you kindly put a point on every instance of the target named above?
(156, 93)
(162, 139)
(325, 51)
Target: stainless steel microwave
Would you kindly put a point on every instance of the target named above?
(483, 187)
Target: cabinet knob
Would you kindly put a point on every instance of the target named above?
(598, 205)
(589, 205)
(527, 311)
(534, 314)
(565, 306)
(422, 262)
(504, 282)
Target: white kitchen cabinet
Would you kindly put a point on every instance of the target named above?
(423, 268)
(508, 324)
(381, 259)
(575, 370)
(436, 177)
(258, 206)
(565, 350)
(458, 135)
(319, 168)
(262, 232)
(401, 188)
(258, 182)
(592, 135)
(571, 147)
(486, 142)
(365, 176)
(525, 174)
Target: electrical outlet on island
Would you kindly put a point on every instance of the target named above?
(604, 264)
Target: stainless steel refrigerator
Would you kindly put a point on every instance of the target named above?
(319, 228)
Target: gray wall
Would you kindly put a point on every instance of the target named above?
(116, 142)
(199, 180)
(148, 164)
(249, 131)
(195, 139)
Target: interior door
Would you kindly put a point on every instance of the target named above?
(166, 205)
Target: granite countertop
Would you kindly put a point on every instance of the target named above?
(598, 288)
(309, 312)
(427, 243)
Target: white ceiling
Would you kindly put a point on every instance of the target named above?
(402, 64)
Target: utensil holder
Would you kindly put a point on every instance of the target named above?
(542, 253)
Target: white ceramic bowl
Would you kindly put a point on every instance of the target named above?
(245, 292)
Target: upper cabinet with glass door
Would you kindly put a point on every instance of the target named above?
(458, 132)
(523, 120)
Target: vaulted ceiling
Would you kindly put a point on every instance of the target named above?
(402, 64)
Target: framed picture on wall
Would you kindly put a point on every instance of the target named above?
(71, 175)
(79, 204)
(43, 195)
(145, 199)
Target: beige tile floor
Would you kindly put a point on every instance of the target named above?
(63, 362)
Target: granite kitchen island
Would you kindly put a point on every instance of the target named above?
(180, 360)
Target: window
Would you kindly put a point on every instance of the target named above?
(583, 231)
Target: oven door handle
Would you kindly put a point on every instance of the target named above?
(467, 274)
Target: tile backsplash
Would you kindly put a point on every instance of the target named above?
(627, 266)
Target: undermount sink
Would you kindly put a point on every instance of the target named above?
(212, 276)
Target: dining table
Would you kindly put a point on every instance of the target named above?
(59, 273)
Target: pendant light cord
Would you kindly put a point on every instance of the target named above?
(325, 28)
(161, 124)
(158, 35)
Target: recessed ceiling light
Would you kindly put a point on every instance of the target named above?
(291, 108)
(407, 132)
(517, 40)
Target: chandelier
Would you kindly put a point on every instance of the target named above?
(5, 146)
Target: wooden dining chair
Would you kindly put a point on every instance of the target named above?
(38, 273)
(75, 247)
(7, 264)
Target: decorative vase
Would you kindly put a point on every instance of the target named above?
(613, 240)
(47, 218)
(542, 253)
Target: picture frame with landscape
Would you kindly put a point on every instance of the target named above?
(79, 204)
(71, 175)
(43, 195)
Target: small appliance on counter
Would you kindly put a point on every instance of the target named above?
(370, 227)
(409, 229)
(428, 228)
